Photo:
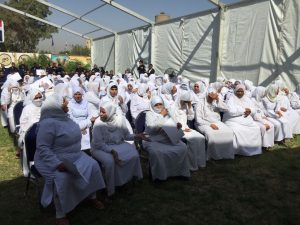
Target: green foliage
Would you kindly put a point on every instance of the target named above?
(71, 66)
(22, 34)
(80, 50)
(261, 190)
(42, 60)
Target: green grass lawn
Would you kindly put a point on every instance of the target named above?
(258, 190)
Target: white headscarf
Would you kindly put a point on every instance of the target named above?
(271, 92)
(33, 93)
(156, 99)
(52, 108)
(142, 90)
(259, 93)
(113, 121)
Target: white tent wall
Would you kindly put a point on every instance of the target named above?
(244, 29)
(260, 41)
(188, 45)
(103, 52)
(132, 46)
(280, 57)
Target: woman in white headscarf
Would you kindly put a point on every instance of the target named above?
(168, 156)
(247, 135)
(16, 95)
(79, 113)
(284, 106)
(113, 96)
(169, 94)
(266, 126)
(140, 101)
(199, 91)
(70, 175)
(93, 99)
(30, 114)
(181, 113)
(282, 126)
(294, 98)
(219, 137)
(120, 160)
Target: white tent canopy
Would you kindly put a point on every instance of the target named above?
(252, 39)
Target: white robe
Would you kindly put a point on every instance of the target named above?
(104, 140)
(14, 99)
(195, 140)
(79, 114)
(282, 128)
(138, 104)
(166, 159)
(58, 140)
(30, 115)
(261, 119)
(247, 135)
(291, 115)
(219, 142)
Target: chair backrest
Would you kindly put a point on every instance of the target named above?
(128, 113)
(18, 108)
(30, 141)
(140, 122)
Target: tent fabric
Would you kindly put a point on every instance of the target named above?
(131, 47)
(255, 40)
(103, 53)
(186, 45)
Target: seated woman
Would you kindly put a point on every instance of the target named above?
(168, 158)
(113, 96)
(266, 126)
(284, 106)
(208, 121)
(247, 135)
(70, 175)
(31, 114)
(120, 159)
(182, 112)
(283, 129)
(93, 99)
(78, 111)
(140, 101)
(294, 98)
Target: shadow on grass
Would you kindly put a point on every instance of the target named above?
(263, 189)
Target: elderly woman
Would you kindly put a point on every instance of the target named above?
(208, 121)
(119, 159)
(70, 175)
(168, 155)
(283, 129)
(181, 113)
(266, 126)
(247, 135)
(31, 114)
(78, 111)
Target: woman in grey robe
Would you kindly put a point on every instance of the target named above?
(70, 175)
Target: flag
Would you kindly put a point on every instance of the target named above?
(1, 31)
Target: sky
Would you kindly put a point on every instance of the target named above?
(112, 18)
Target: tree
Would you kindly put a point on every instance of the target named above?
(80, 50)
(22, 34)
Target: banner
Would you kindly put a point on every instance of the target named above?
(1, 31)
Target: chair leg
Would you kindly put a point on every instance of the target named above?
(27, 184)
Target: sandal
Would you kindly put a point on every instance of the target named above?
(97, 204)
(62, 221)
